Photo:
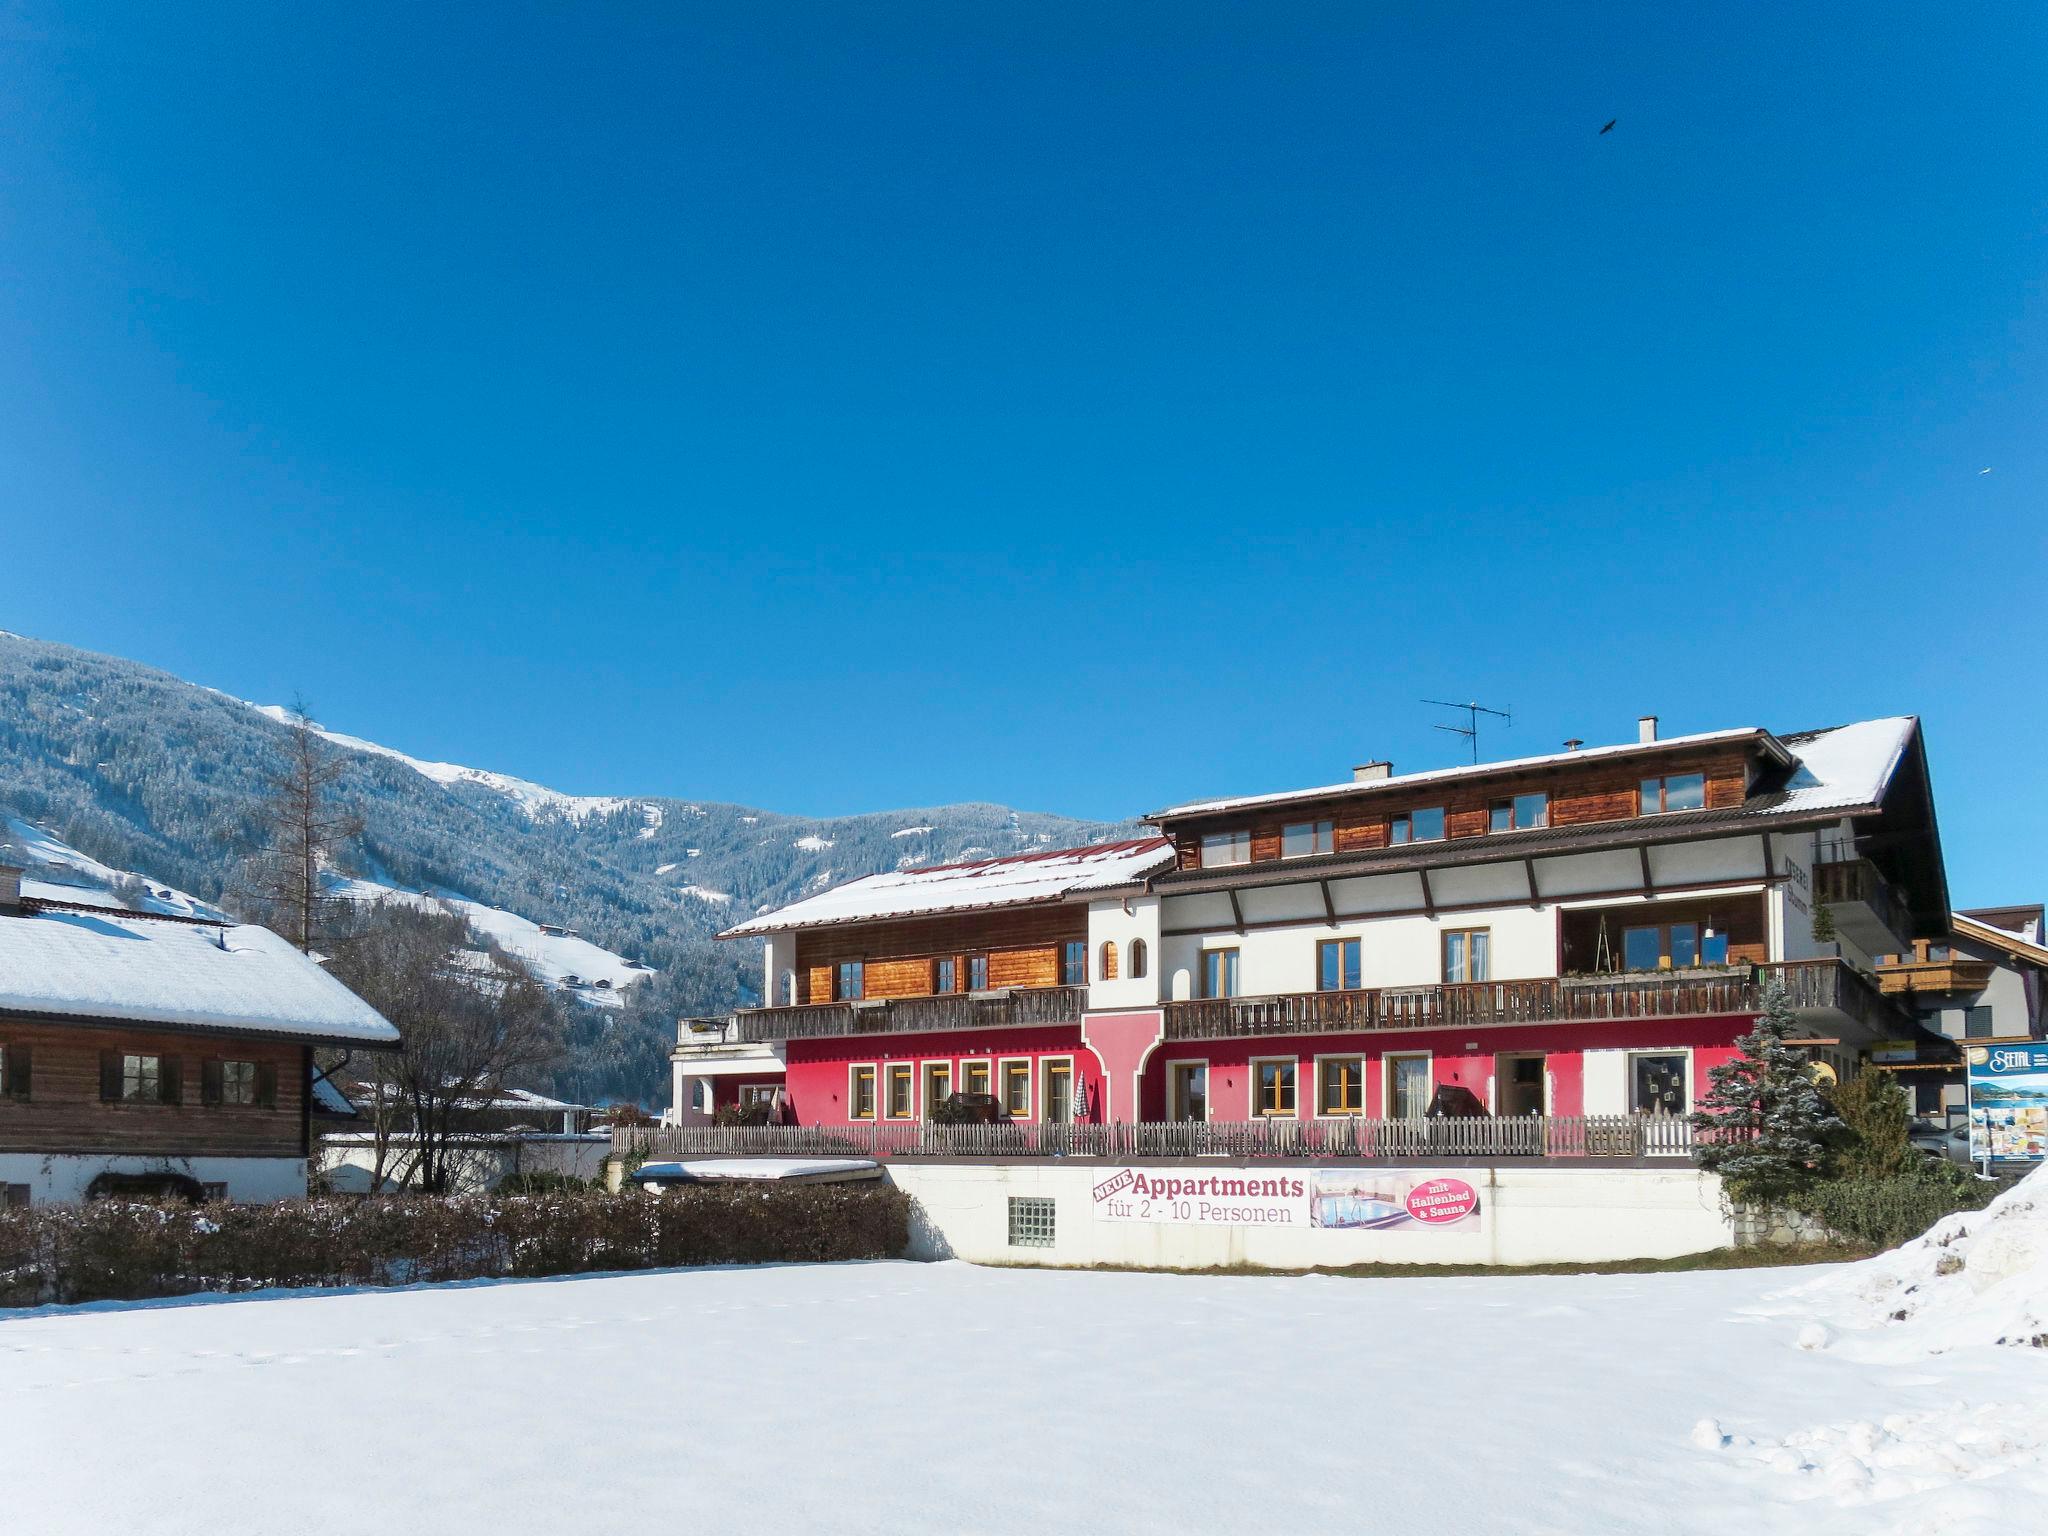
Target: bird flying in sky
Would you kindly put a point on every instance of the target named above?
(1610, 126)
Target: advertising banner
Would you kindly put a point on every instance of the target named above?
(1349, 1199)
(2008, 1102)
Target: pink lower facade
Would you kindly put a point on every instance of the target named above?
(1128, 1071)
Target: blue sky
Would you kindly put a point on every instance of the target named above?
(1077, 407)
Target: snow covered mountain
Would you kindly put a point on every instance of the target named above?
(132, 769)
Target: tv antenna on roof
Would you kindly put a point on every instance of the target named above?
(1470, 730)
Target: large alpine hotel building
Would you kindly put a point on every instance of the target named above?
(1582, 933)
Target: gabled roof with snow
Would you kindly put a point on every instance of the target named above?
(2017, 945)
(1402, 781)
(152, 970)
(1839, 768)
(1019, 880)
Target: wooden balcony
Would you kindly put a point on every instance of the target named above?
(1958, 973)
(1862, 904)
(1350, 1139)
(1827, 990)
(915, 1015)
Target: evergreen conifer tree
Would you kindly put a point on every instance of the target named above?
(1763, 1124)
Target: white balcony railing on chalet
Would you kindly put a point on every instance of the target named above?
(1708, 992)
(916, 1015)
(1350, 1138)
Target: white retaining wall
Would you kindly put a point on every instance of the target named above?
(61, 1178)
(1528, 1216)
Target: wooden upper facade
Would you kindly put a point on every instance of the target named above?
(1368, 816)
(959, 952)
(146, 1092)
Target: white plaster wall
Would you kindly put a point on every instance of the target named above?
(1532, 1216)
(1108, 921)
(778, 955)
(1606, 1082)
(62, 1179)
(1394, 951)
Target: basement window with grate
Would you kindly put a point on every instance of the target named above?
(1031, 1222)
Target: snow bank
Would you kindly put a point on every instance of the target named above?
(1974, 1278)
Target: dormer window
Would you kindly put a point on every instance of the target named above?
(1301, 838)
(1518, 813)
(1418, 826)
(1674, 792)
(1224, 848)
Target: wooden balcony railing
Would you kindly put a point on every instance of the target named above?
(916, 1015)
(1813, 985)
(1351, 1139)
(1845, 881)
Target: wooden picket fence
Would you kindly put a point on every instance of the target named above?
(1351, 1138)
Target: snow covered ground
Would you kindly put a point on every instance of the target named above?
(900, 1397)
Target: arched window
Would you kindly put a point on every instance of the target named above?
(1107, 970)
(1137, 959)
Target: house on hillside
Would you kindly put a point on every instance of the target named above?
(158, 1054)
(1585, 932)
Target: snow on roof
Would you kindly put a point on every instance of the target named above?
(721, 1170)
(1443, 775)
(1017, 880)
(1847, 765)
(160, 971)
(2017, 945)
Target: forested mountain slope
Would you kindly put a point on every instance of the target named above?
(145, 772)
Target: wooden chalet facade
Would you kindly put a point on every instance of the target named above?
(158, 1053)
(1584, 933)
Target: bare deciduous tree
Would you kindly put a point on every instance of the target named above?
(301, 830)
(473, 1020)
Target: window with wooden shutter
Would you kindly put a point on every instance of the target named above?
(266, 1084)
(110, 1077)
(170, 1085)
(210, 1082)
(14, 1072)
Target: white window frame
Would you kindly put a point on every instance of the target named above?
(1387, 1060)
(1628, 1075)
(1364, 1098)
(1252, 1087)
(1003, 1065)
(1234, 841)
(1045, 1084)
(1172, 1087)
(883, 1099)
(1317, 826)
(960, 1073)
(924, 1082)
(853, 1067)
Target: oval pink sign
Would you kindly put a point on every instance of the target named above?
(1442, 1200)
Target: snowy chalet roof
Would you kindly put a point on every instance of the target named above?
(103, 964)
(1845, 766)
(1019, 880)
(2017, 945)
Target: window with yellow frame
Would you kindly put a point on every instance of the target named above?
(1340, 1085)
(901, 1100)
(860, 1094)
(1017, 1089)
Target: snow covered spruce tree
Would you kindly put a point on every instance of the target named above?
(1763, 1124)
(300, 831)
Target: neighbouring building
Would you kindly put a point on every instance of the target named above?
(1979, 983)
(711, 1069)
(147, 1052)
(1585, 932)
(501, 1134)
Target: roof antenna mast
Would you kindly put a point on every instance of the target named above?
(1469, 730)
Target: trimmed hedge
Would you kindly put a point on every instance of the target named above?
(120, 1250)
(1887, 1212)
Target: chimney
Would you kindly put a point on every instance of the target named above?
(1574, 744)
(1646, 729)
(10, 888)
(1367, 773)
